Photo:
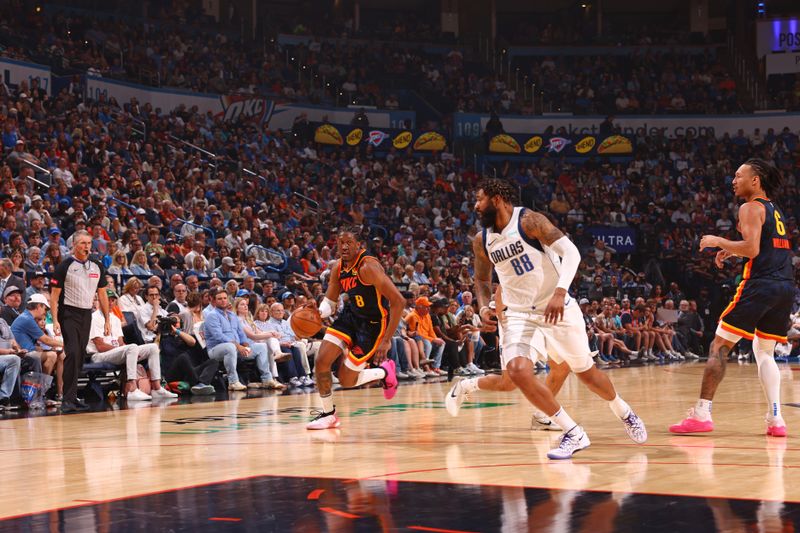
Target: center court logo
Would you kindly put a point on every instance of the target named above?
(290, 415)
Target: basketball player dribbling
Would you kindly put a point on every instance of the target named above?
(762, 303)
(363, 331)
(535, 265)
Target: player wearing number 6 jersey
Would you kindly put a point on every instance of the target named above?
(762, 303)
(535, 265)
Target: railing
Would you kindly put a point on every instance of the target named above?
(272, 253)
(312, 203)
(138, 122)
(198, 226)
(40, 169)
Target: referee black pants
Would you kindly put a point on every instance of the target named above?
(75, 324)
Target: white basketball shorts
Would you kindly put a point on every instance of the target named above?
(528, 335)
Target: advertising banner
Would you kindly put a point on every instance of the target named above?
(380, 139)
(472, 125)
(14, 71)
(537, 144)
(621, 239)
(266, 111)
(783, 63)
(777, 35)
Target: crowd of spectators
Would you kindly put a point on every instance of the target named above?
(326, 70)
(196, 251)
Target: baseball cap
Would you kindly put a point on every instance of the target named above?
(9, 204)
(140, 211)
(465, 261)
(286, 295)
(111, 293)
(422, 300)
(441, 302)
(38, 274)
(583, 301)
(36, 198)
(227, 261)
(11, 289)
(39, 299)
(242, 292)
(54, 231)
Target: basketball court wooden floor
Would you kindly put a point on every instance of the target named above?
(248, 464)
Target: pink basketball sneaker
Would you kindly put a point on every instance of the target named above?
(390, 381)
(776, 428)
(692, 424)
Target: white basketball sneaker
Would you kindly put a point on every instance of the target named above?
(455, 398)
(572, 441)
(635, 429)
(324, 420)
(542, 421)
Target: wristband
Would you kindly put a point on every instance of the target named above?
(178, 331)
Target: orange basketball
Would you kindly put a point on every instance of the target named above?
(305, 322)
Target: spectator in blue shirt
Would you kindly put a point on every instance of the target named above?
(298, 362)
(226, 340)
(27, 333)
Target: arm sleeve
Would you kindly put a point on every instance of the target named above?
(570, 261)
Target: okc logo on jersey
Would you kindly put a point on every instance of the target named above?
(348, 283)
(503, 254)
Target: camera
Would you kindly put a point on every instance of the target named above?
(164, 324)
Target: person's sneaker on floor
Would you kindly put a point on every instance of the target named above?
(273, 384)
(162, 393)
(776, 427)
(334, 379)
(431, 374)
(571, 442)
(307, 381)
(635, 429)
(475, 369)
(236, 386)
(138, 396)
(455, 397)
(324, 420)
(255, 385)
(6, 405)
(201, 389)
(539, 420)
(73, 407)
(390, 381)
(295, 382)
(693, 423)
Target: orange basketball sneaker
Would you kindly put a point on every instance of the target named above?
(693, 424)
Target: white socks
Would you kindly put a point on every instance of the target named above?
(470, 385)
(769, 374)
(371, 374)
(563, 420)
(327, 403)
(703, 409)
(620, 407)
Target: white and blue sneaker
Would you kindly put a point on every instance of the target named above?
(542, 421)
(572, 441)
(455, 397)
(635, 429)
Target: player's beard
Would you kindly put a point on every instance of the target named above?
(488, 216)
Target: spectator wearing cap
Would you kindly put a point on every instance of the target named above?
(54, 240)
(38, 284)
(37, 212)
(28, 334)
(289, 301)
(225, 269)
(420, 328)
(8, 279)
(12, 304)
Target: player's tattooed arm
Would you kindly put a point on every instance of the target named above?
(483, 272)
(538, 226)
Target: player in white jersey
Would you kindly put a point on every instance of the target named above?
(535, 265)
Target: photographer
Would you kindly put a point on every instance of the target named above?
(147, 315)
(176, 346)
(112, 349)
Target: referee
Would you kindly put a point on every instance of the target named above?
(74, 284)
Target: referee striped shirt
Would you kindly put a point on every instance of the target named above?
(78, 281)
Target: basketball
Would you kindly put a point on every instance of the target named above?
(305, 322)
